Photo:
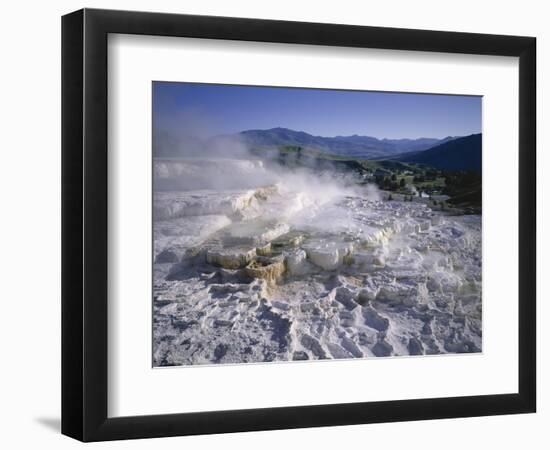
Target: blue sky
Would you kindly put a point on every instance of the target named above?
(204, 110)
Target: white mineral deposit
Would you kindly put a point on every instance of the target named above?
(253, 264)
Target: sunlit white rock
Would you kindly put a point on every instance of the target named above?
(296, 262)
(343, 254)
(326, 254)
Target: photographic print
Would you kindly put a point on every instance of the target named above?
(301, 224)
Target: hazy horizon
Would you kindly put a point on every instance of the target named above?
(208, 110)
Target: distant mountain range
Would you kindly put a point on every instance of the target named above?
(459, 154)
(450, 153)
(363, 147)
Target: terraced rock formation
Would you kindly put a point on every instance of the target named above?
(276, 273)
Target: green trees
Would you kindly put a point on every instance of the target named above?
(389, 184)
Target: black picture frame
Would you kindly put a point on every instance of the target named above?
(84, 224)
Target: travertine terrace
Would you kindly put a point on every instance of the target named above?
(274, 268)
